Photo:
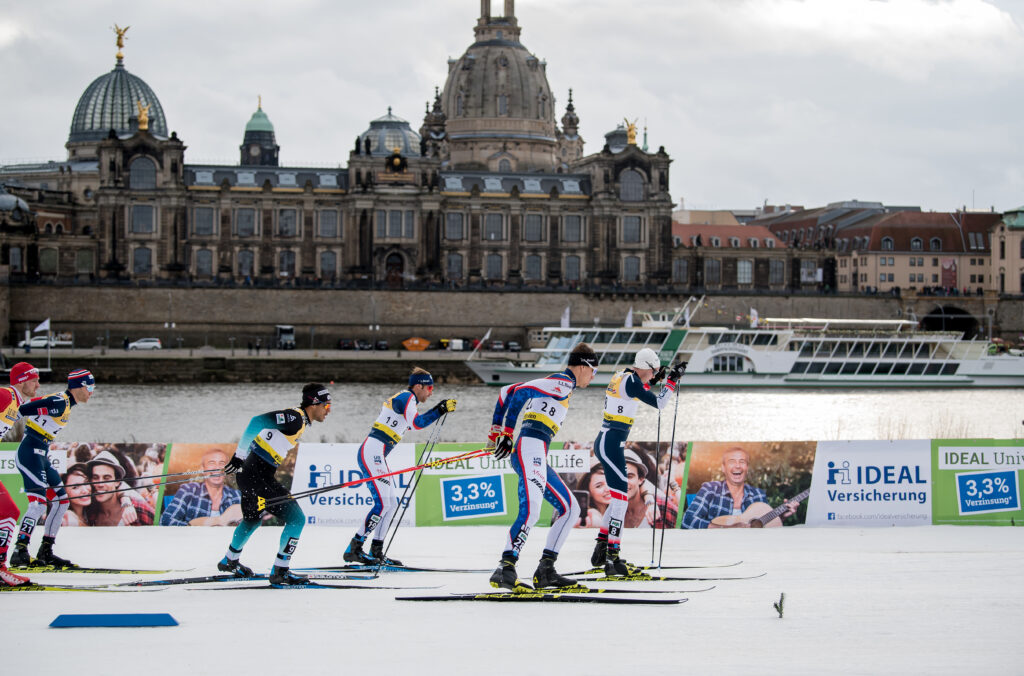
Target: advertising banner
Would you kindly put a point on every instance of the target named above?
(977, 481)
(11, 477)
(484, 491)
(320, 465)
(871, 483)
(103, 483)
(210, 499)
(747, 484)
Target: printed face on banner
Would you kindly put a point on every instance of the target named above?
(748, 484)
(871, 483)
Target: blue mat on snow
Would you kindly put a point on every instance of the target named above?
(115, 620)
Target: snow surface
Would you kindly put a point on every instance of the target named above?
(935, 600)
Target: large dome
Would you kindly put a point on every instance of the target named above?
(110, 101)
(497, 100)
(390, 132)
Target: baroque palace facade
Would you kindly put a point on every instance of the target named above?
(490, 190)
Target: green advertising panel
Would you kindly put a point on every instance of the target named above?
(474, 492)
(977, 481)
(10, 477)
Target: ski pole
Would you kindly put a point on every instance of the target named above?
(119, 490)
(671, 448)
(263, 503)
(657, 461)
(156, 476)
(410, 489)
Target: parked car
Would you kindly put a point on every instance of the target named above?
(380, 345)
(363, 344)
(39, 341)
(346, 344)
(497, 346)
(514, 346)
(146, 344)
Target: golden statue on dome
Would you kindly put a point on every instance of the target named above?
(120, 39)
(630, 131)
(143, 115)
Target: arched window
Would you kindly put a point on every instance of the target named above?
(572, 268)
(754, 242)
(916, 244)
(734, 242)
(48, 228)
(59, 229)
(142, 261)
(286, 264)
(458, 105)
(504, 165)
(328, 265)
(454, 266)
(716, 241)
(887, 244)
(631, 269)
(502, 104)
(204, 263)
(768, 243)
(532, 268)
(631, 186)
(935, 244)
(142, 174)
(48, 261)
(494, 266)
(245, 259)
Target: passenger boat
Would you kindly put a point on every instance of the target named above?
(777, 352)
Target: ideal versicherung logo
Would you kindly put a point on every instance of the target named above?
(868, 483)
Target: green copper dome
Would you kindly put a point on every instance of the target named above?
(259, 122)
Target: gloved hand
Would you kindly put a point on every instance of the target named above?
(234, 465)
(504, 447)
(676, 372)
(445, 406)
(492, 438)
(658, 375)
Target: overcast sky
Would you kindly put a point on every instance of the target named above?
(907, 102)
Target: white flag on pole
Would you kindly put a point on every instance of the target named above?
(686, 317)
(629, 318)
(565, 317)
(486, 336)
(753, 318)
(43, 326)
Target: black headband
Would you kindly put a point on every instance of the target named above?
(576, 359)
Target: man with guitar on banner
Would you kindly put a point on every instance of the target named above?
(734, 503)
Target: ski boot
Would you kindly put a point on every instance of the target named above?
(20, 557)
(547, 576)
(236, 567)
(377, 552)
(46, 557)
(282, 577)
(617, 567)
(597, 559)
(10, 579)
(355, 553)
(505, 576)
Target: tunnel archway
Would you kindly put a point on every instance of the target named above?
(950, 318)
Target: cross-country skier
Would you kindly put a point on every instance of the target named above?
(545, 403)
(627, 389)
(24, 385)
(261, 450)
(44, 419)
(397, 415)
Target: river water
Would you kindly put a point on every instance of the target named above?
(217, 413)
